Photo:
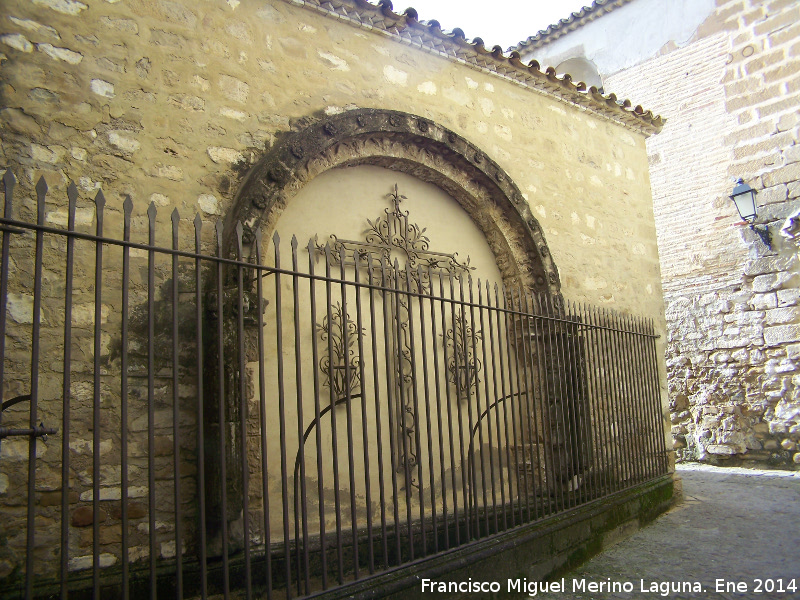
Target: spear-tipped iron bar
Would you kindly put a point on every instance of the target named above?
(468, 508)
(513, 384)
(201, 445)
(618, 435)
(449, 404)
(598, 440)
(303, 499)
(555, 465)
(364, 425)
(472, 341)
(426, 388)
(72, 195)
(335, 441)
(415, 400)
(176, 439)
(400, 341)
(276, 241)
(488, 410)
(378, 405)
(633, 400)
(622, 402)
(151, 469)
(262, 412)
(351, 470)
(508, 407)
(523, 387)
(223, 468)
(496, 352)
(439, 424)
(535, 382)
(243, 403)
(127, 208)
(568, 400)
(391, 399)
(41, 191)
(9, 182)
(312, 252)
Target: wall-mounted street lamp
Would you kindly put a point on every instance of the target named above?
(745, 199)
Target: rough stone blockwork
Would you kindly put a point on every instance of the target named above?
(731, 98)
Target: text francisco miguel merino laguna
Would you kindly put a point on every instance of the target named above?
(533, 588)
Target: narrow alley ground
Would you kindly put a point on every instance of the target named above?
(737, 535)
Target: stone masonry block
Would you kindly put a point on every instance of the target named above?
(233, 88)
(769, 264)
(791, 154)
(782, 72)
(765, 60)
(764, 301)
(747, 134)
(793, 85)
(776, 193)
(777, 212)
(788, 297)
(785, 35)
(57, 53)
(67, 7)
(776, 107)
(774, 142)
(17, 41)
(787, 121)
(17, 120)
(771, 282)
(778, 21)
(123, 25)
(747, 317)
(781, 334)
(782, 316)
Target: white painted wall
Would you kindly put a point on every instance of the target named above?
(628, 35)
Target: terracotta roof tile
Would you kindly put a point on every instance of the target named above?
(428, 35)
(575, 20)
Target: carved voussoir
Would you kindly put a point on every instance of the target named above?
(420, 148)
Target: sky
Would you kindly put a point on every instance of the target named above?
(497, 22)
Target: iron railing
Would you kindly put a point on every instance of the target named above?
(240, 425)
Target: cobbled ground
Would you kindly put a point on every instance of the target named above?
(735, 528)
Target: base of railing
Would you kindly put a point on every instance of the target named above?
(534, 551)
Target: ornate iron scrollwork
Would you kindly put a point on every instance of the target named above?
(389, 237)
(342, 370)
(393, 231)
(463, 366)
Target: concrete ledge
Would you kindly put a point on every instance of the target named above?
(535, 552)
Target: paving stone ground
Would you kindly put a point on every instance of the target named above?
(736, 525)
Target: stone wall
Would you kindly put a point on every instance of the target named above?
(730, 92)
(160, 100)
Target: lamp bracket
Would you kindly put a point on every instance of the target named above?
(764, 234)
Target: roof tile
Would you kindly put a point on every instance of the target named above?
(575, 20)
(429, 35)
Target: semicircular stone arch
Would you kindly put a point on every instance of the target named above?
(413, 145)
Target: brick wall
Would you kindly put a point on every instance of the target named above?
(732, 100)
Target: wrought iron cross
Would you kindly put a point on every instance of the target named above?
(394, 231)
